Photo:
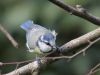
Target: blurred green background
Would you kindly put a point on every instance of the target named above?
(15, 12)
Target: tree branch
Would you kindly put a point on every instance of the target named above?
(87, 38)
(11, 39)
(81, 40)
(77, 53)
(76, 11)
(29, 68)
(71, 44)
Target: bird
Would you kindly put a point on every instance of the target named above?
(39, 39)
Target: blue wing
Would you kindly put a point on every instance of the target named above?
(27, 25)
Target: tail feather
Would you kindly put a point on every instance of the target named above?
(27, 25)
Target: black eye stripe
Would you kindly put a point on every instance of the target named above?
(48, 43)
(43, 41)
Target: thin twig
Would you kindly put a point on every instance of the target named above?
(75, 11)
(94, 69)
(12, 63)
(12, 40)
(17, 65)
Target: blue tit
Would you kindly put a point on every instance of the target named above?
(39, 39)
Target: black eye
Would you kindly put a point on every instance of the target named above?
(47, 43)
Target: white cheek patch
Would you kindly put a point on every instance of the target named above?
(44, 47)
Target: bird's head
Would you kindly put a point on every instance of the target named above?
(46, 42)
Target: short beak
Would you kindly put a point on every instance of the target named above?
(54, 47)
(52, 44)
